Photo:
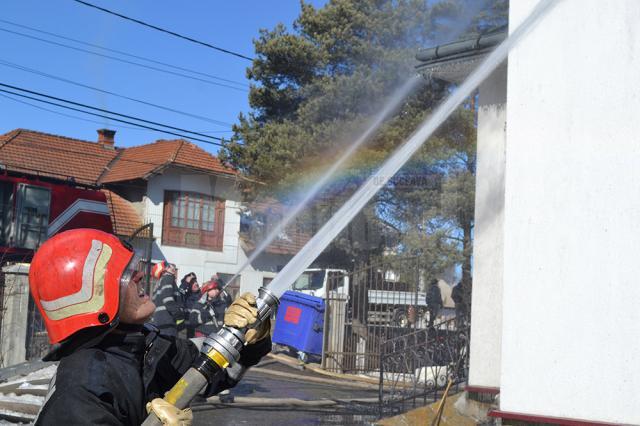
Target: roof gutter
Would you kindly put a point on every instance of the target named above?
(459, 49)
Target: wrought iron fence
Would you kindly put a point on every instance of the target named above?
(370, 306)
(415, 368)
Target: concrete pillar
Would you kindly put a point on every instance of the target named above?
(15, 314)
(488, 265)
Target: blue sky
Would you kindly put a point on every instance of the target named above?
(231, 25)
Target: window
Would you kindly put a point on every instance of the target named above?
(310, 280)
(193, 220)
(32, 214)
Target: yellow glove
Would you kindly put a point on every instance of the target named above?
(169, 414)
(180, 321)
(242, 312)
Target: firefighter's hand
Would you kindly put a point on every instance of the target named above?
(169, 414)
(243, 312)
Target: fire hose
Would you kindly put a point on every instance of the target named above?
(219, 351)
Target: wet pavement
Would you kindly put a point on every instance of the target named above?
(266, 387)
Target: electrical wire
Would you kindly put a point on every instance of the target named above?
(116, 119)
(71, 116)
(137, 21)
(124, 60)
(107, 111)
(75, 83)
(120, 52)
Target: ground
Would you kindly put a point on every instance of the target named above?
(276, 392)
(424, 416)
(270, 404)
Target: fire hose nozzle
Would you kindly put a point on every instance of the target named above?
(228, 341)
(219, 351)
(267, 304)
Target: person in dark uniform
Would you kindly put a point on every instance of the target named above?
(88, 288)
(170, 313)
(434, 301)
(186, 284)
(208, 313)
(190, 301)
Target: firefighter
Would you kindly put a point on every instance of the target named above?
(170, 313)
(208, 313)
(190, 282)
(88, 288)
(186, 286)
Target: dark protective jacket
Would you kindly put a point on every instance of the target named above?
(110, 382)
(169, 308)
(434, 298)
(207, 316)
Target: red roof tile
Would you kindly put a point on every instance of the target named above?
(141, 161)
(90, 163)
(289, 242)
(54, 156)
(124, 216)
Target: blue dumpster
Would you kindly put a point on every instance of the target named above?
(299, 322)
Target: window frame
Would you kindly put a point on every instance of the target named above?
(188, 235)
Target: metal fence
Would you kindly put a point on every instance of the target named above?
(368, 307)
(416, 368)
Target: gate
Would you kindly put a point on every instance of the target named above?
(415, 368)
(369, 306)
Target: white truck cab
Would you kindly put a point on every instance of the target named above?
(315, 282)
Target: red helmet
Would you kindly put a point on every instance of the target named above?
(162, 267)
(75, 279)
(209, 285)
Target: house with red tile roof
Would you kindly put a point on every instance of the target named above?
(186, 192)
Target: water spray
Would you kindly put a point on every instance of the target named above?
(222, 349)
(391, 105)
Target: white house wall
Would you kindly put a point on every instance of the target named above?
(571, 322)
(203, 262)
(486, 302)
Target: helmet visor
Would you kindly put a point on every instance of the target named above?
(137, 270)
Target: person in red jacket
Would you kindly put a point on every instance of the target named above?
(88, 288)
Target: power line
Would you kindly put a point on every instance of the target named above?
(122, 60)
(106, 111)
(69, 115)
(75, 83)
(120, 52)
(115, 119)
(137, 21)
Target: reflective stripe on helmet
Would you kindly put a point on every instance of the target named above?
(90, 297)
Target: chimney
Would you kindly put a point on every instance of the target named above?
(106, 137)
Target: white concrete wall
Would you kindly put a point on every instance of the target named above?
(14, 315)
(571, 321)
(486, 301)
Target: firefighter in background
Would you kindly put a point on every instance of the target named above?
(186, 285)
(88, 288)
(434, 301)
(207, 315)
(170, 312)
(190, 300)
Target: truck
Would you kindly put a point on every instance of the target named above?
(387, 301)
